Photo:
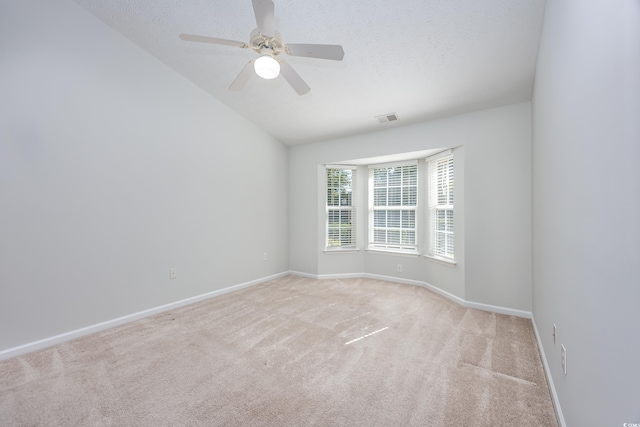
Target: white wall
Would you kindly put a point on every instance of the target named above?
(114, 169)
(586, 206)
(495, 263)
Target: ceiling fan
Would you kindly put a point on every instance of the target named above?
(267, 42)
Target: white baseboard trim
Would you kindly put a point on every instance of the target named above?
(455, 298)
(341, 276)
(498, 309)
(393, 279)
(301, 274)
(88, 330)
(435, 289)
(420, 283)
(545, 364)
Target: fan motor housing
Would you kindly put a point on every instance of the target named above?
(258, 42)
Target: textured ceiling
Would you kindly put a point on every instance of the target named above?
(421, 59)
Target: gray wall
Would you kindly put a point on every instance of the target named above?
(114, 169)
(495, 262)
(586, 206)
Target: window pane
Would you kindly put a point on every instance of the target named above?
(345, 237)
(345, 217)
(393, 236)
(410, 176)
(345, 197)
(395, 177)
(380, 197)
(344, 178)
(332, 179)
(379, 236)
(380, 218)
(449, 246)
(333, 238)
(393, 219)
(394, 196)
(409, 196)
(408, 219)
(379, 177)
(450, 181)
(332, 197)
(442, 194)
(408, 237)
(440, 220)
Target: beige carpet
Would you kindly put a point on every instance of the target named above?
(291, 352)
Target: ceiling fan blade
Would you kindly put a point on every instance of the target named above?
(263, 9)
(212, 40)
(293, 78)
(323, 51)
(243, 77)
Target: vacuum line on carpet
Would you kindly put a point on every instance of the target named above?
(368, 335)
(499, 374)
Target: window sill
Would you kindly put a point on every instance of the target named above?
(341, 251)
(447, 262)
(390, 252)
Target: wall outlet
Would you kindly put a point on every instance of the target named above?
(563, 358)
(555, 332)
(265, 257)
(399, 268)
(172, 273)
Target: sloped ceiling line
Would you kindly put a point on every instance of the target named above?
(421, 59)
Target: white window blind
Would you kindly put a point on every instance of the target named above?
(341, 209)
(393, 200)
(440, 207)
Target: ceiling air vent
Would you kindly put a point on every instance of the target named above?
(386, 118)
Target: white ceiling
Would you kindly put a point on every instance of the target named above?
(421, 59)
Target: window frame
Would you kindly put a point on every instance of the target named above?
(401, 246)
(446, 252)
(351, 208)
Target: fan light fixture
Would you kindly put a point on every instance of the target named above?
(267, 43)
(267, 67)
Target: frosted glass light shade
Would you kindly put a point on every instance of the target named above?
(267, 67)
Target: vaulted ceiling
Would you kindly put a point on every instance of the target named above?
(420, 59)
